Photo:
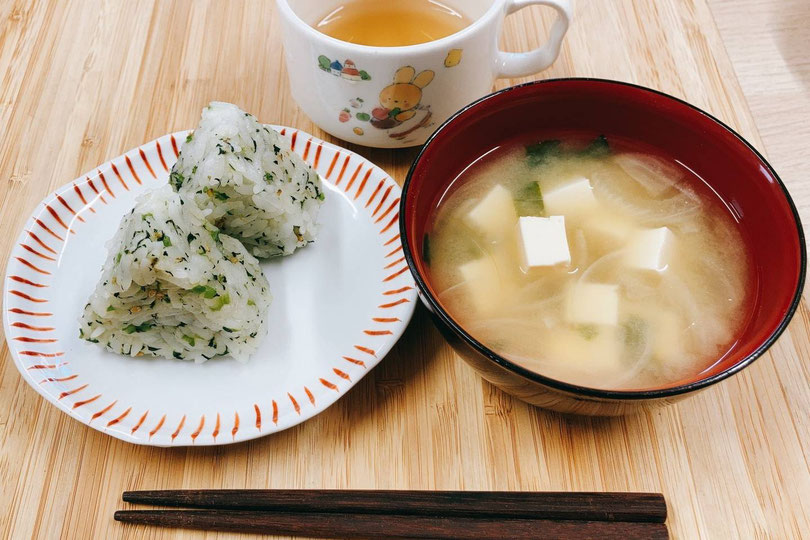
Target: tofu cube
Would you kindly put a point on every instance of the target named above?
(649, 249)
(593, 303)
(608, 230)
(574, 197)
(668, 334)
(483, 283)
(595, 360)
(495, 215)
(542, 242)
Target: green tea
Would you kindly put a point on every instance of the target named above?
(391, 24)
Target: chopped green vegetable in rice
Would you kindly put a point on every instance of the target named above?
(249, 182)
(175, 287)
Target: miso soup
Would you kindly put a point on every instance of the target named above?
(591, 262)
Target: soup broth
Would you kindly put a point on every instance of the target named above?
(391, 24)
(590, 264)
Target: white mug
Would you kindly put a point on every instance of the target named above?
(395, 97)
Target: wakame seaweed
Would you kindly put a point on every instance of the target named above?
(544, 151)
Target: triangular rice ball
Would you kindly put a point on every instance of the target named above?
(174, 287)
(254, 186)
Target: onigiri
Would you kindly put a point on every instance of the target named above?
(174, 286)
(249, 182)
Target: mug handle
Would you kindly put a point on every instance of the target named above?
(527, 63)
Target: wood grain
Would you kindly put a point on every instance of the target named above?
(83, 81)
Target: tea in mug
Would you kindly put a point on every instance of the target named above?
(391, 23)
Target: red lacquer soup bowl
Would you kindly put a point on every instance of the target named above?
(739, 175)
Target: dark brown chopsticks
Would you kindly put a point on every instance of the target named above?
(407, 514)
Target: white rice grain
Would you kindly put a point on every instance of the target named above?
(249, 182)
(174, 287)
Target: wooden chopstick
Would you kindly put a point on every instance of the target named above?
(353, 525)
(626, 507)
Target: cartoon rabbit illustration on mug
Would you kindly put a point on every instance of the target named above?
(400, 113)
(400, 101)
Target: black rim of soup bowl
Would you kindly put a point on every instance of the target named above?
(586, 391)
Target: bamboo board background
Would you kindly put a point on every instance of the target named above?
(84, 80)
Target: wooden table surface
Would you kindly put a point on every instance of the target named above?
(83, 81)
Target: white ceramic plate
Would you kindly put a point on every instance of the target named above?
(338, 307)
